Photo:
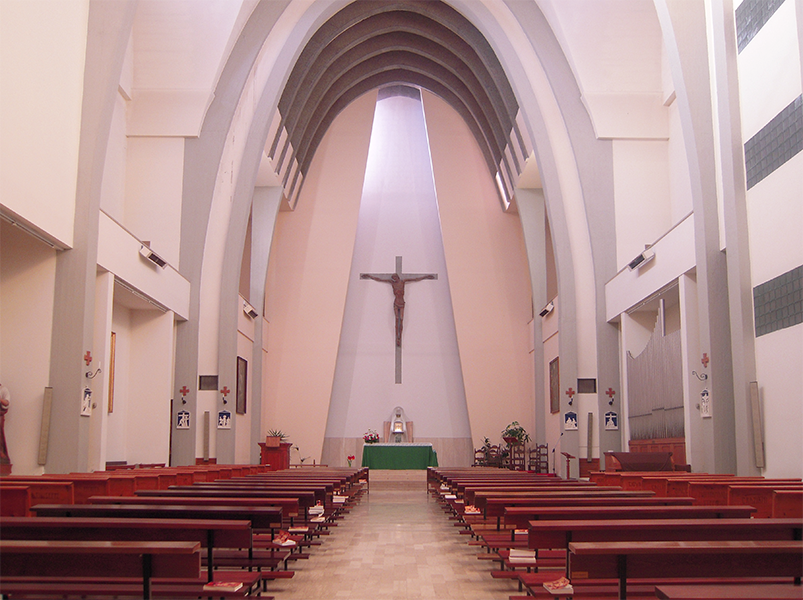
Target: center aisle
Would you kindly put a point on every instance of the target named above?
(393, 545)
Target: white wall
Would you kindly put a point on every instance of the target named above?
(138, 429)
(769, 70)
(27, 277)
(40, 115)
(150, 379)
(154, 175)
(116, 431)
(769, 79)
(641, 188)
(398, 217)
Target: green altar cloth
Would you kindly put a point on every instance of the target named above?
(399, 456)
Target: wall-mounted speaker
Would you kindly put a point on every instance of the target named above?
(641, 260)
(249, 310)
(547, 309)
(152, 256)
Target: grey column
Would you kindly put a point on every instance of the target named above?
(108, 32)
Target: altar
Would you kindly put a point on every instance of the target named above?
(399, 456)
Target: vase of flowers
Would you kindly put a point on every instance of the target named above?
(371, 437)
(350, 458)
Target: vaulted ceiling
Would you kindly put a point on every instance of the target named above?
(371, 44)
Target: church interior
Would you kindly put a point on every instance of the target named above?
(594, 210)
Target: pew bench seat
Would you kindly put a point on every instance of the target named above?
(123, 587)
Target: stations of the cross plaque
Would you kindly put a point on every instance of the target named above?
(397, 281)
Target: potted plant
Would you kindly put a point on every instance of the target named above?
(275, 437)
(514, 434)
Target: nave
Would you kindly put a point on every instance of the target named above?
(395, 544)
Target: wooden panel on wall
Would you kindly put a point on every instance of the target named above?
(677, 446)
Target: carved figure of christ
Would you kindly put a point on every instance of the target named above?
(397, 281)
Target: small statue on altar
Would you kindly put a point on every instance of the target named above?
(398, 429)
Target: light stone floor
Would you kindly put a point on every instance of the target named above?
(396, 544)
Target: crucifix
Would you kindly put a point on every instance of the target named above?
(397, 281)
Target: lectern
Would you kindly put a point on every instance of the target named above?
(278, 457)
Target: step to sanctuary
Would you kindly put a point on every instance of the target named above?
(398, 479)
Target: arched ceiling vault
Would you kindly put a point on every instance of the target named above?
(371, 44)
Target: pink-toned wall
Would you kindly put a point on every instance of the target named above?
(489, 278)
(307, 280)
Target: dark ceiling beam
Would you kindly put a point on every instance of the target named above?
(375, 43)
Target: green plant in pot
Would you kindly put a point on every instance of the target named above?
(275, 437)
(515, 434)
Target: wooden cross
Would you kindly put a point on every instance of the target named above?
(610, 393)
(397, 281)
(570, 393)
(705, 360)
(184, 391)
(88, 357)
(225, 391)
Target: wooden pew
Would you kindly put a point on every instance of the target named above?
(521, 516)
(756, 495)
(560, 533)
(210, 533)
(289, 506)
(262, 519)
(729, 591)
(15, 501)
(684, 560)
(716, 491)
(787, 503)
(65, 559)
(265, 518)
(44, 490)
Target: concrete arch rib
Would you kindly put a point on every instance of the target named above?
(578, 184)
(221, 165)
(260, 60)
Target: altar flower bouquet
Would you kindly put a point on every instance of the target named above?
(350, 458)
(371, 437)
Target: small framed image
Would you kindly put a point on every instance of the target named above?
(570, 421)
(705, 404)
(86, 402)
(242, 384)
(183, 419)
(554, 385)
(224, 419)
(611, 421)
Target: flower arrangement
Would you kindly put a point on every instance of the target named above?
(515, 434)
(350, 458)
(371, 437)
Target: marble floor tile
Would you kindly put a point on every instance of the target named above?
(394, 545)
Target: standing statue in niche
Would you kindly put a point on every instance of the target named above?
(5, 401)
(397, 283)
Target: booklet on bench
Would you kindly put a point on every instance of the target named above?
(230, 586)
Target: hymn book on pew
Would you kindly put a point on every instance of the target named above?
(228, 586)
(559, 587)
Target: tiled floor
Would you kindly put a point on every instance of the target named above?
(396, 544)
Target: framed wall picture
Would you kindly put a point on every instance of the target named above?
(183, 419)
(242, 384)
(112, 350)
(554, 385)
